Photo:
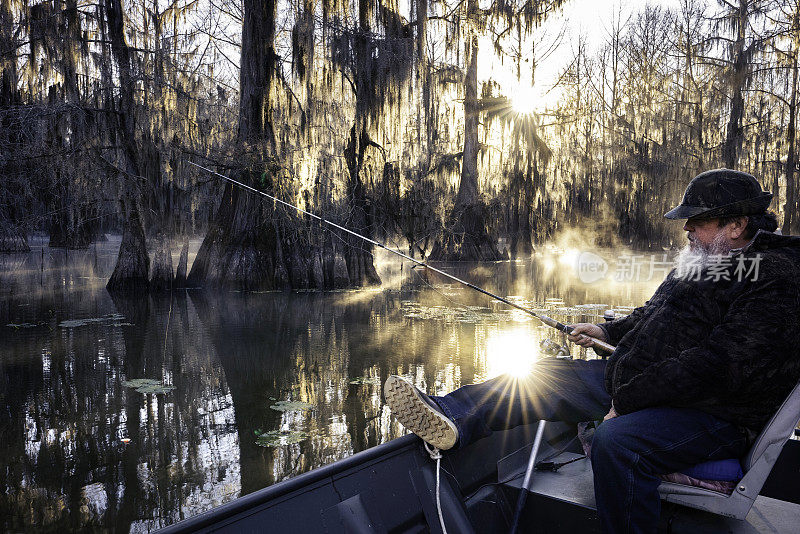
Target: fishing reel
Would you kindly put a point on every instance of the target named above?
(548, 347)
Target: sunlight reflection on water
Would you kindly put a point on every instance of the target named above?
(511, 353)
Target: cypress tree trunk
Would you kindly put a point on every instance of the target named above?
(161, 276)
(242, 248)
(358, 255)
(525, 200)
(465, 236)
(732, 145)
(183, 261)
(246, 246)
(790, 215)
(133, 263)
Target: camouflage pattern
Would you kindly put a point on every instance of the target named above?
(721, 193)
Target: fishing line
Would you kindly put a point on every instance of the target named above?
(544, 318)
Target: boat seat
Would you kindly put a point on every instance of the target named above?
(729, 470)
(756, 466)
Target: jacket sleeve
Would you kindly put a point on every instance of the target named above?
(615, 330)
(745, 346)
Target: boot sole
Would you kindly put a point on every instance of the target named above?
(416, 415)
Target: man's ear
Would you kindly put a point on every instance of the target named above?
(738, 227)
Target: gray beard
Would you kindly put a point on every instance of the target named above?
(690, 259)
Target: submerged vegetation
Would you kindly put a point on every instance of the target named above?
(375, 115)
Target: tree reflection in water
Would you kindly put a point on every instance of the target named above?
(82, 450)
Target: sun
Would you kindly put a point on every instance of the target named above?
(523, 99)
(511, 353)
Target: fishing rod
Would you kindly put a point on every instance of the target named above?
(549, 321)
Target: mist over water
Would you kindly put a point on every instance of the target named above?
(131, 413)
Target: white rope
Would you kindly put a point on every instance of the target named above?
(436, 454)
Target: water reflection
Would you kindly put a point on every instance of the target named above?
(242, 389)
(511, 353)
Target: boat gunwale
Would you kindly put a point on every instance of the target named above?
(309, 480)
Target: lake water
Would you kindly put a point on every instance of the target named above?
(131, 413)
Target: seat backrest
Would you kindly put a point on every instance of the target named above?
(777, 430)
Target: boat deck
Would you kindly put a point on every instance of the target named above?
(570, 489)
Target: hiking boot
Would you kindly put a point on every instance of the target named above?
(419, 414)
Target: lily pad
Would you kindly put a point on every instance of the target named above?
(359, 380)
(75, 323)
(148, 385)
(275, 438)
(139, 382)
(291, 406)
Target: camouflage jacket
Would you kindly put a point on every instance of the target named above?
(726, 343)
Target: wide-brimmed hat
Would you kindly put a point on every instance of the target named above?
(721, 193)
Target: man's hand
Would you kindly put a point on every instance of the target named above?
(581, 333)
(612, 413)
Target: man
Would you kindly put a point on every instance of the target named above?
(697, 371)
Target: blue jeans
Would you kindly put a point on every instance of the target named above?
(629, 452)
